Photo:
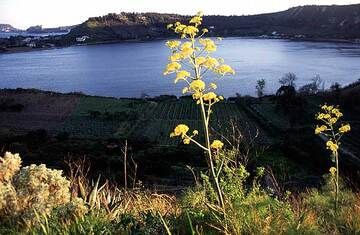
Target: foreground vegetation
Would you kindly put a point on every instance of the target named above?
(38, 200)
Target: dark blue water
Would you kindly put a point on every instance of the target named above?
(131, 69)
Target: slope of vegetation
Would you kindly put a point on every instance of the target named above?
(331, 22)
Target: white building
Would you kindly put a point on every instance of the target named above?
(82, 39)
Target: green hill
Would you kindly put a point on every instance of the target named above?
(325, 22)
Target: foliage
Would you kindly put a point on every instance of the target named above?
(288, 80)
(260, 86)
(316, 85)
(33, 189)
(249, 209)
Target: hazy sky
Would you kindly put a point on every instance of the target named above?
(50, 13)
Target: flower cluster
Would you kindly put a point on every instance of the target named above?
(332, 170)
(9, 165)
(195, 52)
(26, 190)
(217, 145)
(329, 116)
(182, 131)
(190, 60)
(333, 147)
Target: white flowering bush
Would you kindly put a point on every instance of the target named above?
(25, 191)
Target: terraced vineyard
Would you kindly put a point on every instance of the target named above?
(152, 120)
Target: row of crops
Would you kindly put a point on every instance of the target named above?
(151, 120)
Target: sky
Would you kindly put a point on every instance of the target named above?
(52, 13)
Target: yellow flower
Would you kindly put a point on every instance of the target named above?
(344, 128)
(205, 30)
(179, 28)
(329, 108)
(190, 30)
(197, 96)
(327, 116)
(186, 52)
(209, 96)
(182, 75)
(172, 67)
(337, 113)
(332, 146)
(185, 90)
(186, 141)
(173, 44)
(320, 116)
(186, 45)
(197, 85)
(217, 144)
(200, 60)
(333, 120)
(210, 63)
(196, 20)
(195, 132)
(224, 69)
(208, 44)
(320, 129)
(180, 130)
(175, 57)
(332, 170)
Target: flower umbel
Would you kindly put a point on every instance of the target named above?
(217, 145)
(180, 130)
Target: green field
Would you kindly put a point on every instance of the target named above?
(104, 118)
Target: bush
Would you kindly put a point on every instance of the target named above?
(31, 190)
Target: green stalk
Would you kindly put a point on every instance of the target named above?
(337, 181)
(205, 119)
(211, 162)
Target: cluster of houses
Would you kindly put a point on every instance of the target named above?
(34, 42)
(278, 35)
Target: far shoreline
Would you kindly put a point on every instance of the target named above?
(29, 49)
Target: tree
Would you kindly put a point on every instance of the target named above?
(290, 103)
(288, 80)
(313, 87)
(260, 85)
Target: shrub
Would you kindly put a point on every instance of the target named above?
(31, 190)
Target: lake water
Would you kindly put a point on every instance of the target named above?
(132, 69)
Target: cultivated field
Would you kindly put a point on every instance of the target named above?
(39, 110)
(150, 120)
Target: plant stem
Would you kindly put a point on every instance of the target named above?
(337, 181)
(211, 162)
(205, 118)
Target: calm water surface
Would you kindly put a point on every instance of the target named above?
(132, 69)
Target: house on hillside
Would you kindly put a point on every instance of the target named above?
(82, 39)
(31, 44)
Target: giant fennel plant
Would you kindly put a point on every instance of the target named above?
(332, 130)
(190, 61)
